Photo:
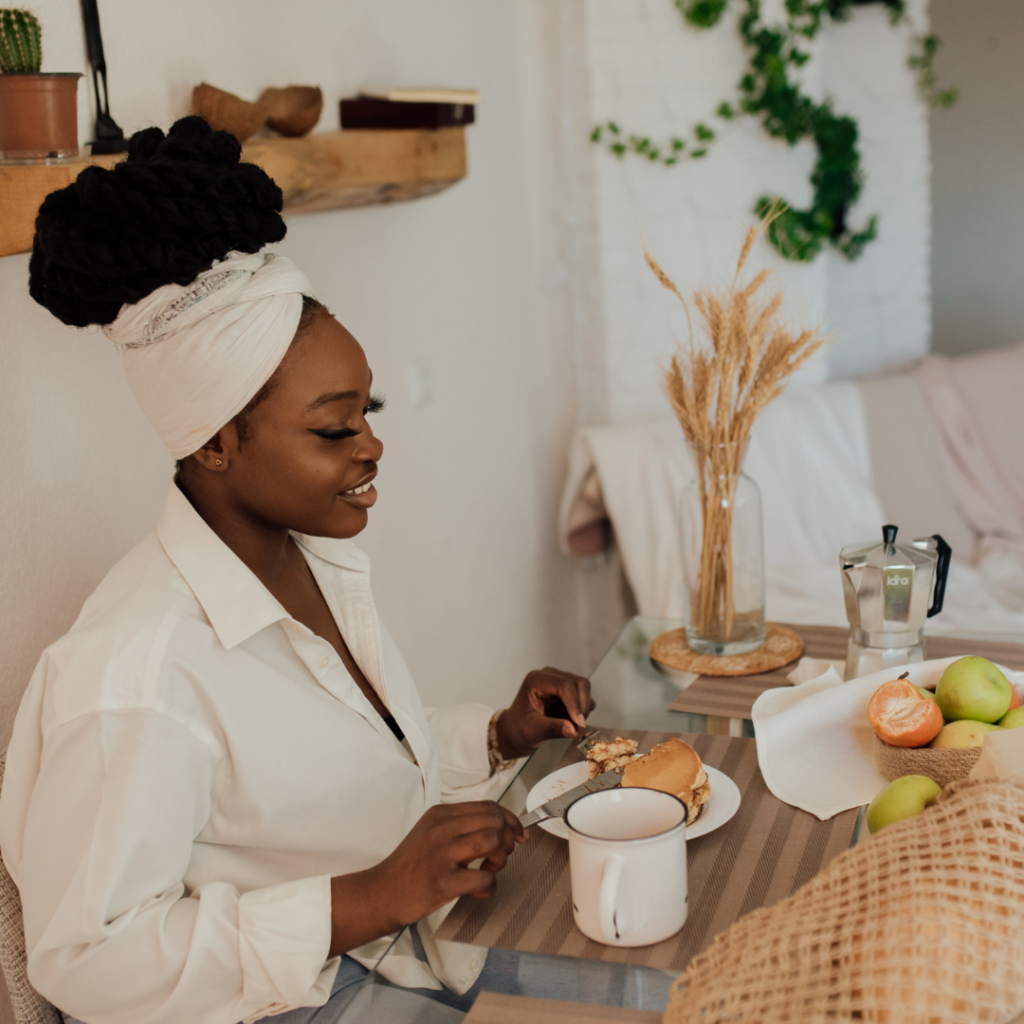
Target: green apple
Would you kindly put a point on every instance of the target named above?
(1013, 719)
(964, 733)
(902, 798)
(973, 688)
(927, 694)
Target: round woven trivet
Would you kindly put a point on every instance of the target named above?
(942, 766)
(780, 648)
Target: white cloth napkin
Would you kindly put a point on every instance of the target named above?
(815, 745)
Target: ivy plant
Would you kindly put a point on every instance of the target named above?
(768, 91)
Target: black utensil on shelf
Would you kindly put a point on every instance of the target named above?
(108, 137)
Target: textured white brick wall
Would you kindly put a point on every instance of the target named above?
(879, 307)
(656, 75)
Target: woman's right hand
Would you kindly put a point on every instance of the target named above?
(428, 869)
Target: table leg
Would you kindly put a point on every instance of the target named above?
(718, 726)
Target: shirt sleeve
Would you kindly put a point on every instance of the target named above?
(460, 732)
(112, 934)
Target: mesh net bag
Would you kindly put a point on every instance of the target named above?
(922, 923)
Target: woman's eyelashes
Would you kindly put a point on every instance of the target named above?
(329, 434)
(376, 404)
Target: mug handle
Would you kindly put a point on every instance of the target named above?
(609, 898)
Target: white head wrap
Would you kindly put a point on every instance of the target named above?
(195, 354)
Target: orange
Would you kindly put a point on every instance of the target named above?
(1014, 697)
(902, 717)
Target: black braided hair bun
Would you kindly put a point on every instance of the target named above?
(179, 202)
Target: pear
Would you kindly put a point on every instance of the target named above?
(973, 688)
(902, 798)
(1013, 719)
(965, 733)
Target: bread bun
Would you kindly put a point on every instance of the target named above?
(673, 767)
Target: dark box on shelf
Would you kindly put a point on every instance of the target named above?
(366, 112)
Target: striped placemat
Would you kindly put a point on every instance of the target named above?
(733, 697)
(497, 1008)
(763, 854)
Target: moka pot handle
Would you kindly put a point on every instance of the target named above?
(945, 553)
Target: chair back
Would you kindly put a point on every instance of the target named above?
(29, 1006)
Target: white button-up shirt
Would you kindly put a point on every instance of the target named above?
(190, 766)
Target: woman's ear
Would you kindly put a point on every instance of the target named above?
(213, 455)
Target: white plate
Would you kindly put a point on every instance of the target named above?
(722, 804)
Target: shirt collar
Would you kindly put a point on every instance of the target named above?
(342, 553)
(237, 604)
(229, 592)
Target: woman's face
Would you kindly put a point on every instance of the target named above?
(309, 456)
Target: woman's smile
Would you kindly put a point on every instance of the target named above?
(363, 496)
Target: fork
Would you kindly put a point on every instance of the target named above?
(589, 739)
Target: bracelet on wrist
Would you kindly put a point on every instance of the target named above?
(498, 763)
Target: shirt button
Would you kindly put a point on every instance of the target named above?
(474, 965)
(463, 980)
(324, 662)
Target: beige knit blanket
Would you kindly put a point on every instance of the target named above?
(991, 502)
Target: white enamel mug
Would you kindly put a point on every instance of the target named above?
(627, 863)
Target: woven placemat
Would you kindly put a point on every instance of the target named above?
(733, 698)
(762, 855)
(497, 1008)
(781, 646)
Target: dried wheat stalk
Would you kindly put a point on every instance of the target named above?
(717, 390)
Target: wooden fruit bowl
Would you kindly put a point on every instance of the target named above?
(942, 766)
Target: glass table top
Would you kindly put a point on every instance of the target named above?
(631, 693)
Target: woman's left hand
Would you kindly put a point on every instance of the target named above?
(550, 704)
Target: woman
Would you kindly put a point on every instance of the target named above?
(222, 779)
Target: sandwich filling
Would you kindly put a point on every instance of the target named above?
(607, 755)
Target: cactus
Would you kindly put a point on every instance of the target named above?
(20, 48)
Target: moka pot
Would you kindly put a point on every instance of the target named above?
(890, 590)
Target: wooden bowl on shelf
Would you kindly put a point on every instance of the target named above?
(293, 110)
(224, 110)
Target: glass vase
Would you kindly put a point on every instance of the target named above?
(723, 555)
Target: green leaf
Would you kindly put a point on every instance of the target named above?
(927, 80)
(851, 245)
(785, 112)
(702, 13)
(792, 232)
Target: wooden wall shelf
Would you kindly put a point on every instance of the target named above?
(325, 171)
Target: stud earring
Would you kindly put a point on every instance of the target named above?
(219, 462)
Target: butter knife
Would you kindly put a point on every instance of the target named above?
(557, 807)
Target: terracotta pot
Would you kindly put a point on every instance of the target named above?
(38, 117)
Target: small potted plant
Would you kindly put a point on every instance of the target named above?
(38, 112)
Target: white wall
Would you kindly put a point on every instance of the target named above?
(656, 75)
(978, 198)
(467, 574)
(879, 310)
